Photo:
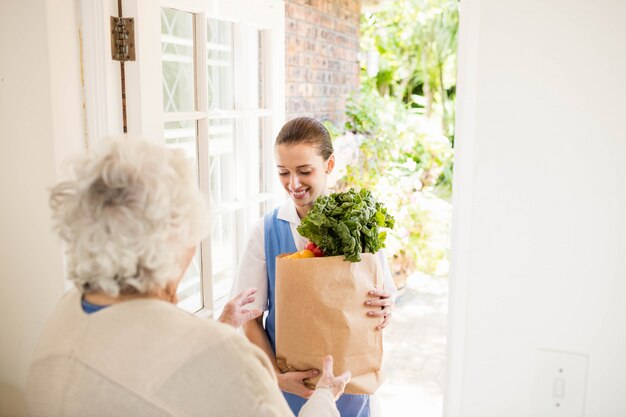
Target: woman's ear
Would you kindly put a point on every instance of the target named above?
(330, 164)
(170, 291)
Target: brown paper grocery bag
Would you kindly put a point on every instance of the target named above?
(320, 311)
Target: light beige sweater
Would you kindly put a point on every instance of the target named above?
(149, 358)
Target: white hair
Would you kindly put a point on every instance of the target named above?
(130, 212)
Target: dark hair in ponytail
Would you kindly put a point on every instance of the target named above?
(306, 130)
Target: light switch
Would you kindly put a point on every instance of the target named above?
(560, 384)
(559, 388)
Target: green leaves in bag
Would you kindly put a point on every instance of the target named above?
(347, 224)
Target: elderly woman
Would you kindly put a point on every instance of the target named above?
(117, 345)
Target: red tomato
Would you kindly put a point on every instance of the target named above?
(313, 248)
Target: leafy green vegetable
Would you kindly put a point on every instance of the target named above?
(347, 224)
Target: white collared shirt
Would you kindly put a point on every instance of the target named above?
(252, 272)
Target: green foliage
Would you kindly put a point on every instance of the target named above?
(363, 114)
(404, 119)
(347, 224)
(397, 142)
(417, 42)
(407, 163)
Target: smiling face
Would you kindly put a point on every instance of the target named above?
(303, 173)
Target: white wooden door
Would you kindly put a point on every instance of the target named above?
(208, 78)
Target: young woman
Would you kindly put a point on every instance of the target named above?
(304, 158)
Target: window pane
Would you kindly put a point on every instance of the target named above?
(220, 64)
(253, 150)
(258, 153)
(183, 135)
(251, 64)
(189, 290)
(222, 162)
(177, 55)
(224, 253)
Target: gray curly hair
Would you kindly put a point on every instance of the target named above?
(129, 213)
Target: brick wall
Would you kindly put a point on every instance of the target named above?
(322, 43)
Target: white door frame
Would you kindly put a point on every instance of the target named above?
(462, 196)
(101, 74)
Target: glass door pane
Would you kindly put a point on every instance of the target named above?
(177, 51)
(179, 95)
(224, 253)
(220, 65)
(183, 135)
(252, 63)
(222, 162)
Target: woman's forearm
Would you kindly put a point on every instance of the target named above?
(256, 334)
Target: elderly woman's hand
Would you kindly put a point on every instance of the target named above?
(336, 384)
(235, 313)
(384, 305)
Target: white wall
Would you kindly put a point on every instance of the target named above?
(539, 235)
(40, 124)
